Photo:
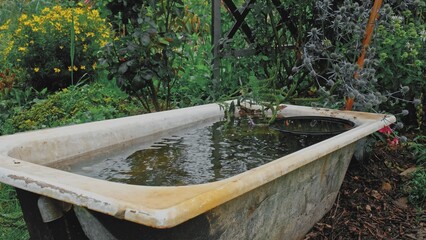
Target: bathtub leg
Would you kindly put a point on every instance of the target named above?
(93, 228)
(66, 227)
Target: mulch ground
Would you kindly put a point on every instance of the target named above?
(373, 201)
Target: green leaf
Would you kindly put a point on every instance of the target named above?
(163, 41)
(123, 68)
(145, 39)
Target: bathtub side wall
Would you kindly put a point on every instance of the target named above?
(286, 208)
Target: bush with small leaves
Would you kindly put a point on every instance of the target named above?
(75, 104)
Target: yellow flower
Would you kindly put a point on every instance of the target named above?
(79, 11)
(22, 49)
(90, 34)
(102, 43)
(36, 69)
(105, 35)
(57, 70)
(37, 19)
(57, 9)
(75, 68)
(58, 26)
(45, 10)
(82, 67)
(23, 17)
(94, 65)
(5, 26)
(61, 47)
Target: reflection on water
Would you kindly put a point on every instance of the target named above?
(200, 155)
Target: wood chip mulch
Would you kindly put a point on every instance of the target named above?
(373, 201)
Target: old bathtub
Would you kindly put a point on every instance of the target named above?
(282, 199)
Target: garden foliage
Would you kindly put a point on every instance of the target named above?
(141, 59)
(311, 57)
(401, 48)
(160, 53)
(72, 105)
(12, 224)
(41, 44)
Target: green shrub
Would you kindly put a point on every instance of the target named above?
(141, 60)
(418, 188)
(418, 147)
(15, 100)
(417, 185)
(73, 105)
(41, 44)
(400, 45)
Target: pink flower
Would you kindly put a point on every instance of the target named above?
(386, 130)
(394, 142)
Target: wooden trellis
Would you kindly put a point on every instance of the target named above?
(239, 15)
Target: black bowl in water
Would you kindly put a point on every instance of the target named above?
(312, 125)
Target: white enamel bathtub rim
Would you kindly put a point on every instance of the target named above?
(120, 129)
(164, 207)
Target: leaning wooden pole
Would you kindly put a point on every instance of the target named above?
(374, 14)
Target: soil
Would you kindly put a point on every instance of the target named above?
(373, 200)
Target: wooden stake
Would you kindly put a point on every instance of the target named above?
(374, 14)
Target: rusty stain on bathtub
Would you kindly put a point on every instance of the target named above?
(41, 185)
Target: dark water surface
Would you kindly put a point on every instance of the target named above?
(205, 154)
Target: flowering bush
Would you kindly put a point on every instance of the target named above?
(41, 44)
